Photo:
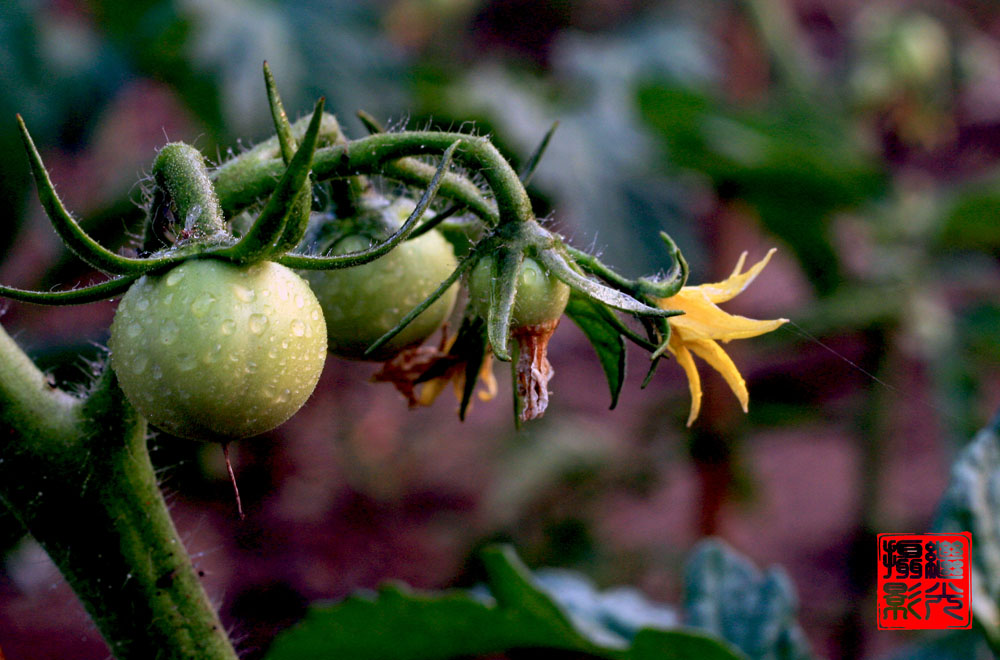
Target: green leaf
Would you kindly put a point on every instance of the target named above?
(728, 596)
(794, 166)
(972, 504)
(400, 624)
(592, 318)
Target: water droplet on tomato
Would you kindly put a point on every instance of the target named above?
(258, 322)
(169, 332)
(202, 304)
(298, 328)
(175, 276)
(228, 327)
(139, 365)
(243, 293)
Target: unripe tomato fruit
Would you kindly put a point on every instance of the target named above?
(362, 303)
(541, 296)
(215, 351)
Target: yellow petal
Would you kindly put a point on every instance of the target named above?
(488, 379)
(684, 359)
(702, 319)
(736, 283)
(430, 390)
(717, 358)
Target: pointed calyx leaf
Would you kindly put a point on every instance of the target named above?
(75, 238)
(282, 127)
(371, 124)
(88, 294)
(259, 242)
(298, 220)
(503, 291)
(561, 268)
(536, 157)
(309, 262)
(673, 281)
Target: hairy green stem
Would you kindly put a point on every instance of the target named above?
(391, 154)
(76, 474)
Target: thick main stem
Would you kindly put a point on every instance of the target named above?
(82, 484)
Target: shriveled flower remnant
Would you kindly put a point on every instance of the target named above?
(703, 325)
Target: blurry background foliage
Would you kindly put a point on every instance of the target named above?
(861, 138)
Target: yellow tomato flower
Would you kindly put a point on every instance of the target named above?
(703, 324)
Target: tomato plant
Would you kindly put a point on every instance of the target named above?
(215, 351)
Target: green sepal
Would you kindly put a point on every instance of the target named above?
(598, 325)
(260, 241)
(298, 221)
(371, 124)
(674, 280)
(87, 294)
(561, 268)
(309, 262)
(503, 290)
(536, 156)
(76, 239)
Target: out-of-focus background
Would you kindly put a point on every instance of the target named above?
(861, 138)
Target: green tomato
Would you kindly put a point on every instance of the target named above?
(214, 351)
(541, 297)
(363, 303)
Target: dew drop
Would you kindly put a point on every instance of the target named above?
(298, 328)
(186, 362)
(243, 293)
(228, 327)
(169, 332)
(273, 353)
(284, 343)
(285, 395)
(300, 302)
(167, 299)
(258, 322)
(315, 315)
(133, 330)
(202, 304)
(157, 372)
(142, 304)
(175, 276)
(140, 364)
(251, 367)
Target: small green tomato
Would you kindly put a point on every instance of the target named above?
(541, 297)
(214, 351)
(362, 303)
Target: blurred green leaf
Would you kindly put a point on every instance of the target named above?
(399, 624)
(756, 611)
(969, 221)
(793, 167)
(591, 318)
